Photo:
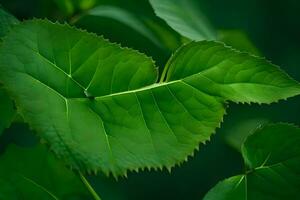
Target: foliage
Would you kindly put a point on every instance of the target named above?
(116, 93)
(146, 33)
(6, 22)
(7, 111)
(272, 159)
(184, 17)
(37, 174)
(6, 105)
(104, 108)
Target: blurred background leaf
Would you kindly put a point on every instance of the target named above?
(238, 40)
(145, 33)
(6, 21)
(185, 17)
(30, 171)
(7, 110)
(18, 134)
(69, 7)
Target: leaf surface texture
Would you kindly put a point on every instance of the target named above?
(100, 106)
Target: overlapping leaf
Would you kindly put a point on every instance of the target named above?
(238, 40)
(124, 17)
(34, 173)
(148, 34)
(184, 17)
(6, 22)
(272, 158)
(100, 107)
(7, 111)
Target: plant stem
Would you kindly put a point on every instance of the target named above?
(89, 187)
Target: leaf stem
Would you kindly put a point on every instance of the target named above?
(89, 187)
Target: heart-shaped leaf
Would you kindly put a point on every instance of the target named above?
(272, 158)
(100, 107)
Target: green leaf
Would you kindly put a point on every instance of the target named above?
(66, 6)
(145, 33)
(124, 17)
(100, 107)
(7, 110)
(69, 7)
(228, 73)
(6, 22)
(238, 40)
(6, 105)
(184, 17)
(34, 173)
(272, 158)
(236, 135)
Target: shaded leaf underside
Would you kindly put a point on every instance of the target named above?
(99, 106)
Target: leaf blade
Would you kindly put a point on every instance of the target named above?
(114, 117)
(7, 110)
(35, 180)
(146, 33)
(272, 157)
(6, 105)
(6, 22)
(183, 17)
(233, 75)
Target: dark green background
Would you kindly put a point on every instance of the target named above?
(273, 26)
